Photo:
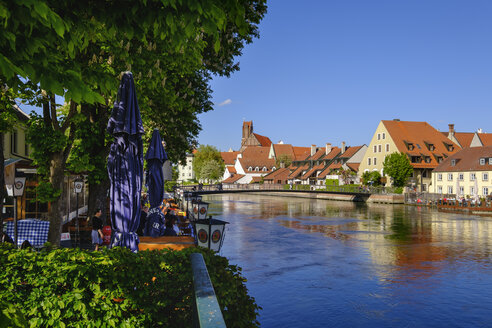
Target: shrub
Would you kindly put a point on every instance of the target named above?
(331, 182)
(117, 288)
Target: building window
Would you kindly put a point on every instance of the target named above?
(264, 169)
(485, 191)
(424, 174)
(473, 176)
(472, 190)
(375, 149)
(369, 161)
(485, 176)
(450, 176)
(384, 135)
(439, 189)
(482, 161)
(387, 147)
(374, 160)
(439, 177)
(450, 189)
(250, 168)
(490, 161)
(462, 190)
(453, 162)
(424, 187)
(379, 148)
(257, 169)
(379, 136)
(461, 176)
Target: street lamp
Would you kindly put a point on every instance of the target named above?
(210, 233)
(16, 190)
(78, 185)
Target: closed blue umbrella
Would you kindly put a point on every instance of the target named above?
(125, 165)
(155, 156)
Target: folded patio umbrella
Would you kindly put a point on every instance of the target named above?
(125, 165)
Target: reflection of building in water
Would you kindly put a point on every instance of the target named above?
(403, 243)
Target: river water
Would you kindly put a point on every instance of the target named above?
(319, 263)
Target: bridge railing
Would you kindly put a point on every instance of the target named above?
(287, 187)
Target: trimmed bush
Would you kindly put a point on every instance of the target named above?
(117, 288)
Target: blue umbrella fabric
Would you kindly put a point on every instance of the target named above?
(155, 157)
(125, 165)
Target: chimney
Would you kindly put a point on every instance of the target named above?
(313, 150)
(282, 165)
(451, 130)
(328, 148)
(344, 148)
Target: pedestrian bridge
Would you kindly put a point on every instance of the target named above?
(348, 193)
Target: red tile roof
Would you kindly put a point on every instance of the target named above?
(464, 138)
(486, 138)
(233, 178)
(298, 171)
(284, 149)
(256, 157)
(231, 169)
(350, 151)
(278, 176)
(354, 166)
(468, 159)
(419, 134)
(264, 141)
(255, 180)
(301, 153)
(229, 157)
(312, 171)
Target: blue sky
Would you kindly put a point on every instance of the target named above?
(329, 71)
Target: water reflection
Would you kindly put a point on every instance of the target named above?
(358, 264)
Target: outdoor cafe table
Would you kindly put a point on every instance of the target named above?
(33, 230)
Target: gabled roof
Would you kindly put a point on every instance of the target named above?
(350, 151)
(354, 166)
(233, 178)
(231, 169)
(327, 170)
(256, 157)
(419, 134)
(229, 157)
(317, 155)
(467, 159)
(312, 171)
(264, 141)
(284, 149)
(280, 174)
(298, 171)
(301, 153)
(486, 138)
(255, 180)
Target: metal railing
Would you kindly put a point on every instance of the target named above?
(207, 310)
(288, 187)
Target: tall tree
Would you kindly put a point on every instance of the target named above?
(77, 49)
(398, 167)
(207, 161)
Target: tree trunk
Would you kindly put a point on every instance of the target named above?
(3, 191)
(57, 207)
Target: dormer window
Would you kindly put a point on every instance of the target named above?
(250, 168)
(416, 159)
(439, 159)
(410, 146)
(257, 169)
(427, 159)
(490, 161)
(453, 162)
(482, 161)
(274, 168)
(430, 146)
(264, 169)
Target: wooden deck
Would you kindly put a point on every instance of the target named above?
(172, 242)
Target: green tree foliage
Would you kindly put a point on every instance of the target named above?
(398, 167)
(208, 163)
(372, 178)
(77, 49)
(285, 159)
(117, 288)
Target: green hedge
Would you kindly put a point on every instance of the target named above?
(116, 288)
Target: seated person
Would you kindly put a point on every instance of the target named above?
(169, 231)
(173, 219)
